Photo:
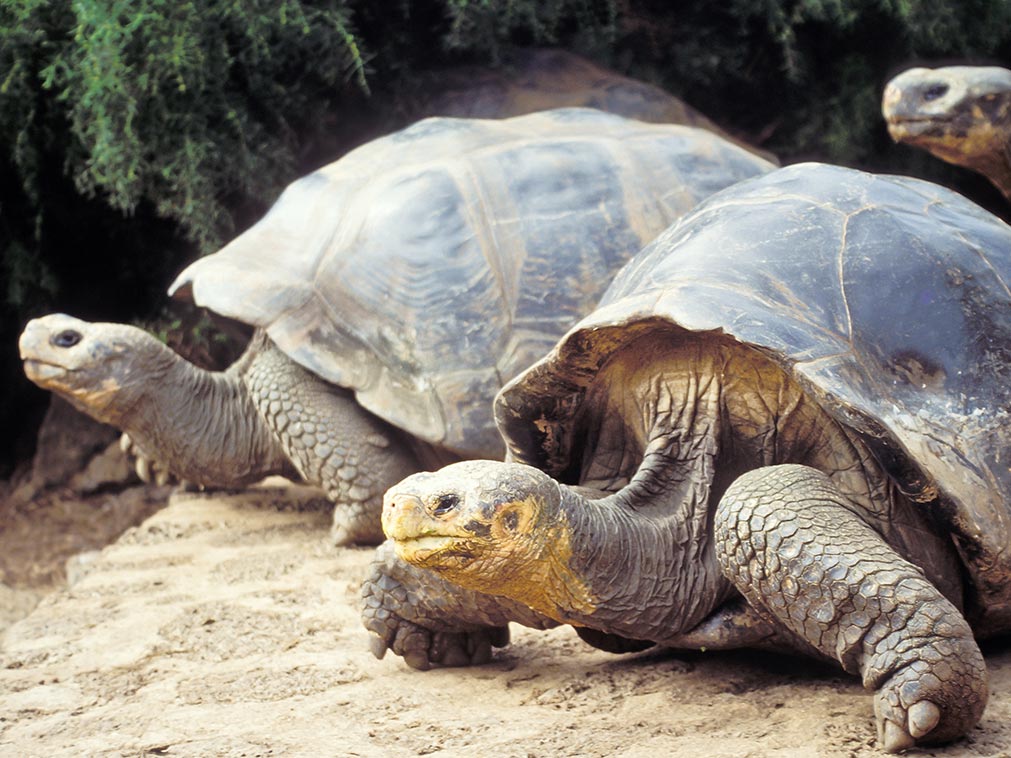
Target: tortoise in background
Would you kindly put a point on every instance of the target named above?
(961, 114)
(786, 425)
(537, 79)
(394, 291)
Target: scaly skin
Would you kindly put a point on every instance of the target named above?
(822, 580)
(331, 440)
(797, 550)
(429, 622)
(264, 415)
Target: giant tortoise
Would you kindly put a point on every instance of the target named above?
(786, 425)
(961, 114)
(394, 291)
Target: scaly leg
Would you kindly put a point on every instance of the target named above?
(800, 553)
(332, 441)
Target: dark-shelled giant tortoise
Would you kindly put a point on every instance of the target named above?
(788, 421)
(394, 290)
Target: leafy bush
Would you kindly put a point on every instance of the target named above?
(173, 102)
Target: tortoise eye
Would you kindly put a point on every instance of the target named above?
(67, 338)
(446, 503)
(511, 520)
(935, 91)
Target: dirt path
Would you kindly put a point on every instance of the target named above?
(223, 626)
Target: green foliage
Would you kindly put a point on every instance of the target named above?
(197, 337)
(196, 107)
(487, 25)
(804, 75)
(177, 101)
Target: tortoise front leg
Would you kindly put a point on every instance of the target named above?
(430, 622)
(331, 440)
(797, 549)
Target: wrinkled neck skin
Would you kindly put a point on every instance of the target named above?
(666, 427)
(984, 149)
(201, 424)
(644, 555)
(995, 165)
(999, 172)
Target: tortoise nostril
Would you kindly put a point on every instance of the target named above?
(66, 338)
(445, 503)
(935, 91)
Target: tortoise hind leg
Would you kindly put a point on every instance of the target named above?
(797, 550)
(332, 441)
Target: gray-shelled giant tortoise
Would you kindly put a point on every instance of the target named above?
(394, 290)
(787, 424)
(961, 114)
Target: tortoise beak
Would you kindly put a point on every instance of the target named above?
(404, 516)
(417, 537)
(42, 363)
(890, 99)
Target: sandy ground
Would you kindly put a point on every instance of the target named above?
(227, 626)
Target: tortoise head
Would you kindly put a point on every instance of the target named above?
(482, 524)
(98, 367)
(961, 114)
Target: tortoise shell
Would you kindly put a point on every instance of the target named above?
(425, 268)
(887, 298)
(538, 79)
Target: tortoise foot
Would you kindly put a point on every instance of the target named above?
(423, 649)
(930, 702)
(425, 621)
(804, 558)
(148, 470)
(355, 529)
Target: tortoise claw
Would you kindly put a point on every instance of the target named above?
(143, 468)
(377, 646)
(893, 738)
(423, 649)
(923, 717)
(915, 706)
(148, 471)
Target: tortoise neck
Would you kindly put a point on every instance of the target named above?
(998, 164)
(200, 424)
(647, 572)
(999, 174)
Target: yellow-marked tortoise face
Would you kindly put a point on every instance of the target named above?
(467, 512)
(491, 527)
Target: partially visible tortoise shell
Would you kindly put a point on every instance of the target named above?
(426, 268)
(886, 297)
(537, 79)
